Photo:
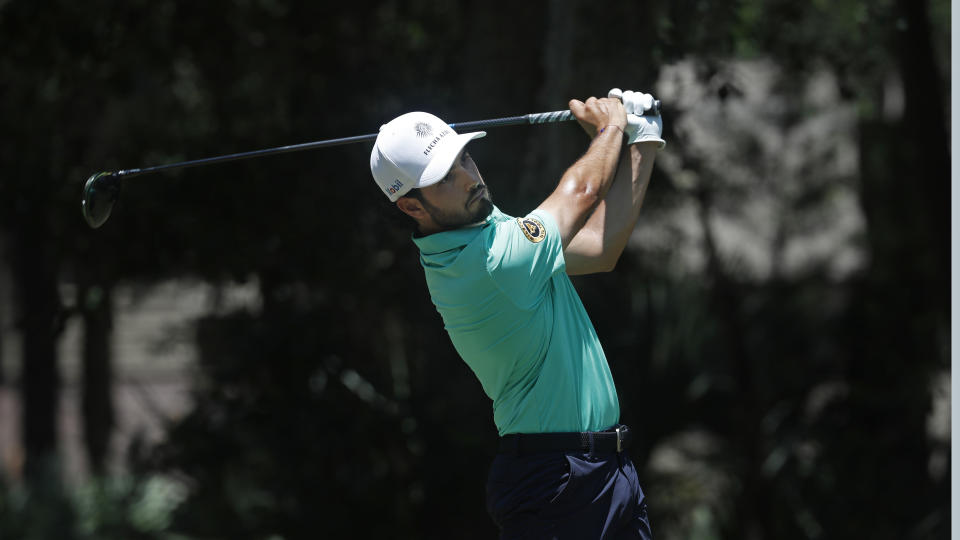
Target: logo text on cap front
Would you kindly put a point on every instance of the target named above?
(444, 133)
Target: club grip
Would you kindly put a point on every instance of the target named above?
(563, 116)
(549, 117)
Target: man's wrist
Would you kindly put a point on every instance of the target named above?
(608, 134)
(645, 144)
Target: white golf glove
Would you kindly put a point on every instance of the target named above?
(643, 121)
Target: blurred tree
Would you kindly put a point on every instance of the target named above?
(822, 423)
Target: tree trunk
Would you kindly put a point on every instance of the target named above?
(3, 379)
(98, 413)
(926, 125)
(541, 168)
(5, 299)
(35, 279)
(752, 509)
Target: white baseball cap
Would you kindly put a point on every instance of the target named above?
(415, 150)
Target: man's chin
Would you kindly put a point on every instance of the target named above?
(484, 209)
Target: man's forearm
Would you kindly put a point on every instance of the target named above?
(601, 241)
(593, 173)
(621, 205)
(585, 184)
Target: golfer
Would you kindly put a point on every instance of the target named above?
(502, 288)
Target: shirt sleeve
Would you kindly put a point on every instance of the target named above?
(523, 254)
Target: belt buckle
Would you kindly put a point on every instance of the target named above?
(621, 434)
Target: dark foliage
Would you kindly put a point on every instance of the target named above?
(796, 402)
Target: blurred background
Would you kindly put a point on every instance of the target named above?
(248, 350)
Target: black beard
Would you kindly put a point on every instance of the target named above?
(448, 220)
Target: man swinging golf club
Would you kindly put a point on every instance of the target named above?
(502, 288)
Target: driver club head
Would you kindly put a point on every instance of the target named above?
(99, 194)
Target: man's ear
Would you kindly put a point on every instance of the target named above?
(411, 207)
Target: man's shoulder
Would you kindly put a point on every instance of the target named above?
(534, 226)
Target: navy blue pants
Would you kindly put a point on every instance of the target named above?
(567, 495)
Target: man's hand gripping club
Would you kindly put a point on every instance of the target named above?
(596, 115)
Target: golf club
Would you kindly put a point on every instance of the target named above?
(102, 189)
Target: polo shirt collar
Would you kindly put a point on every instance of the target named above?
(456, 238)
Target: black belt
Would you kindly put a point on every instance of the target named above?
(615, 439)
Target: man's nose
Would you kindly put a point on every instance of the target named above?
(471, 183)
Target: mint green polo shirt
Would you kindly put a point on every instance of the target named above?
(515, 318)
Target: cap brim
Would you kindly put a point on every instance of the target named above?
(440, 165)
